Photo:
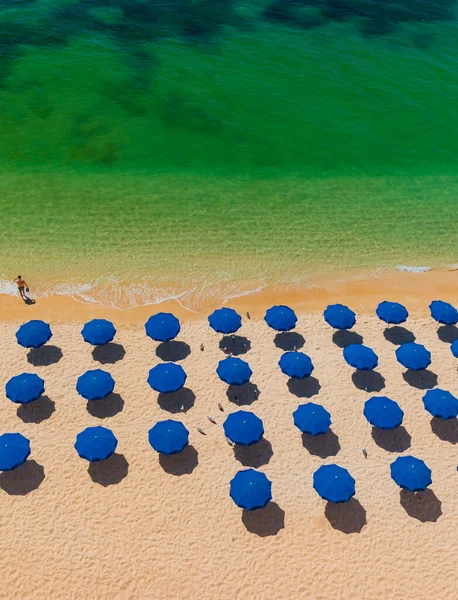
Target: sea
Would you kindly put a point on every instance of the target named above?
(206, 149)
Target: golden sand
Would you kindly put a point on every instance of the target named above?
(144, 527)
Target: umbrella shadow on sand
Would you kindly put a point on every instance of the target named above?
(392, 440)
(106, 407)
(243, 395)
(398, 335)
(422, 380)
(235, 344)
(424, 506)
(345, 338)
(110, 471)
(109, 354)
(44, 356)
(265, 521)
(289, 341)
(182, 463)
(322, 445)
(36, 411)
(22, 480)
(173, 351)
(348, 517)
(180, 401)
(255, 455)
(304, 388)
(446, 430)
(368, 381)
(448, 333)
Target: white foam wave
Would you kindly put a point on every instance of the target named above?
(8, 287)
(241, 294)
(412, 269)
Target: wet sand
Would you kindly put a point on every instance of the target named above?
(361, 292)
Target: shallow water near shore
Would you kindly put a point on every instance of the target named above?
(157, 151)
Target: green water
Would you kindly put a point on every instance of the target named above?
(169, 148)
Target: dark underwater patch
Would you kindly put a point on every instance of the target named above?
(374, 17)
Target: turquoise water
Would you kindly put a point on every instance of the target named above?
(151, 149)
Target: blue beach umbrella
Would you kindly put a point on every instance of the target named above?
(225, 320)
(333, 483)
(413, 356)
(167, 377)
(392, 313)
(383, 413)
(96, 443)
(454, 348)
(95, 384)
(296, 364)
(243, 428)
(98, 332)
(312, 418)
(410, 473)
(25, 388)
(14, 450)
(251, 489)
(339, 316)
(441, 404)
(162, 327)
(360, 357)
(168, 437)
(234, 371)
(281, 318)
(33, 334)
(443, 312)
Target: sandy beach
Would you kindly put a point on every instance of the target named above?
(140, 526)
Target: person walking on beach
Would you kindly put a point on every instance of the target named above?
(22, 287)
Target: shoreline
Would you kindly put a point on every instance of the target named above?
(415, 289)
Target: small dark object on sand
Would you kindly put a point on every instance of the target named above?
(220, 406)
(202, 347)
(248, 315)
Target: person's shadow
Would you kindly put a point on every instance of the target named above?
(29, 301)
(265, 521)
(348, 517)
